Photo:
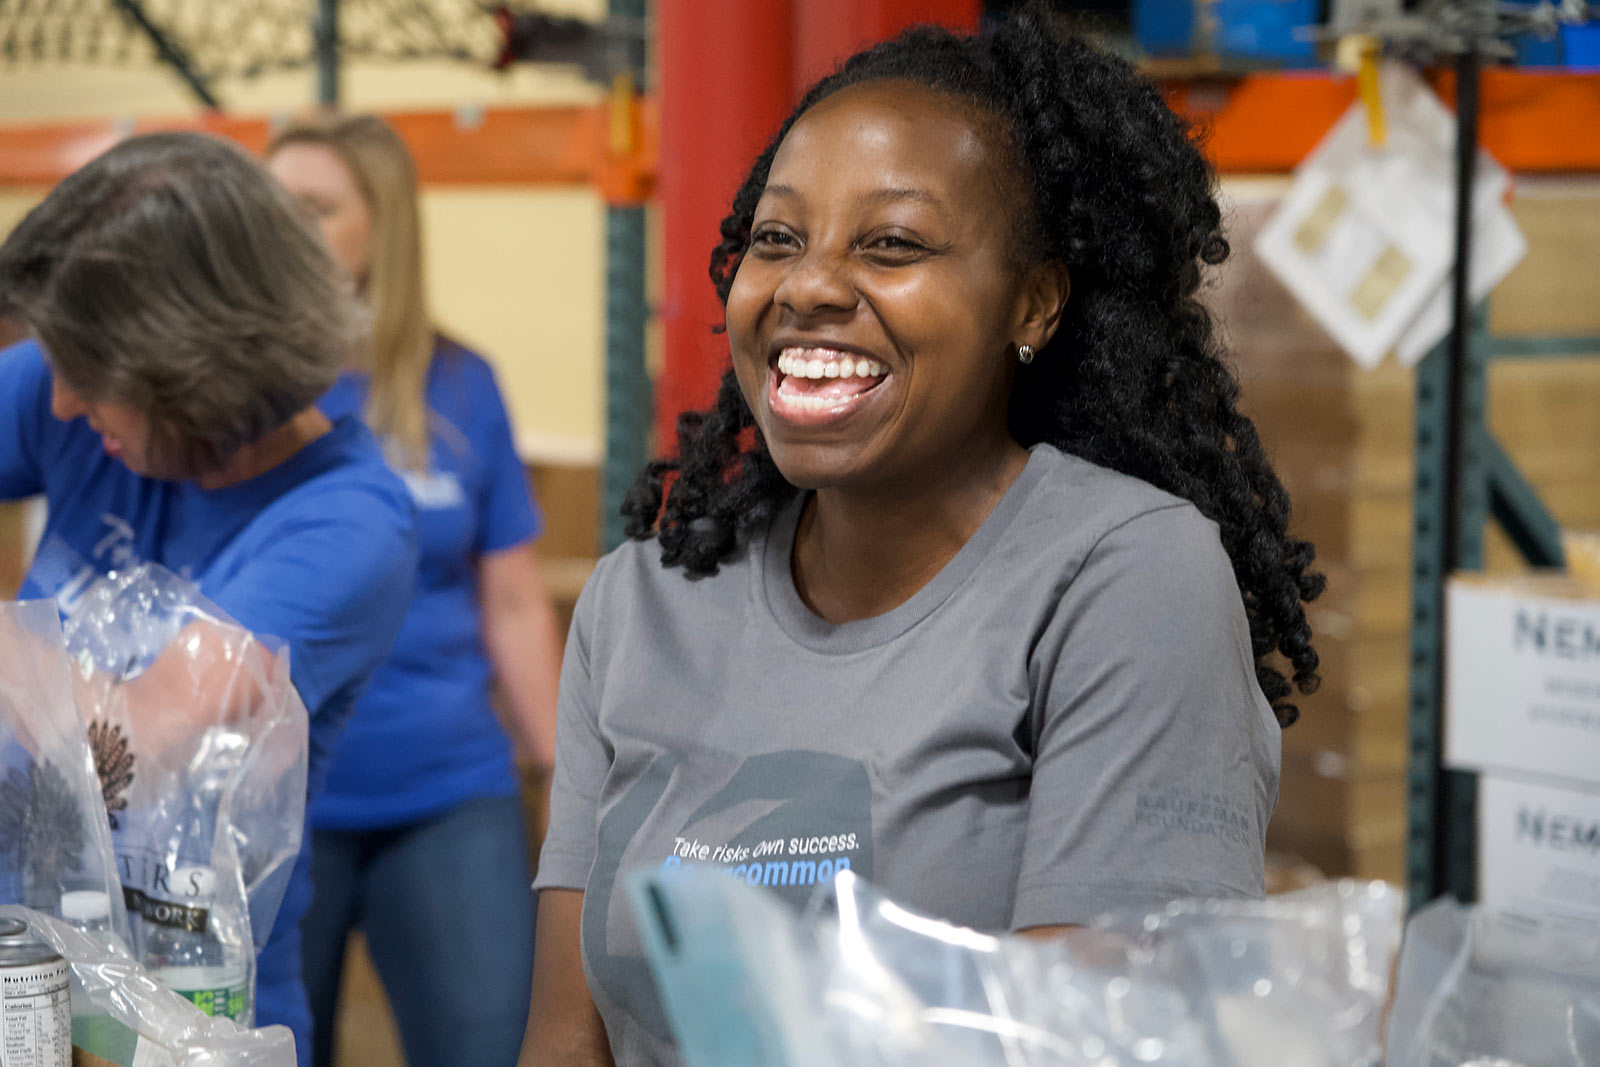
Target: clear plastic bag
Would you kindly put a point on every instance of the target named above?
(200, 741)
(164, 1028)
(54, 838)
(56, 847)
(858, 981)
(1511, 990)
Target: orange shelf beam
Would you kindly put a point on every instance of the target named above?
(564, 146)
(1532, 121)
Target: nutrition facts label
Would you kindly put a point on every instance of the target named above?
(35, 1016)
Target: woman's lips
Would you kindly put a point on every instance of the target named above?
(814, 386)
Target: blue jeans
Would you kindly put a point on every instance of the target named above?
(447, 909)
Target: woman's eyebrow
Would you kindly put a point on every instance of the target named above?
(903, 193)
(887, 193)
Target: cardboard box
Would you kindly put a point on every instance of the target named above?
(1539, 848)
(1522, 678)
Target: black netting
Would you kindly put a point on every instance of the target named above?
(241, 38)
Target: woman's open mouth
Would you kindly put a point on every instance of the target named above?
(811, 386)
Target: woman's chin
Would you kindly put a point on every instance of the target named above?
(812, 465)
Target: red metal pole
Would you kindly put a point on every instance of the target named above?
(828, 31)
(726, 78)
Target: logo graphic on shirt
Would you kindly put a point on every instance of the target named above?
(435, 490)
(58, 567)
(61, 572)
(786, 821)
(1196, 813)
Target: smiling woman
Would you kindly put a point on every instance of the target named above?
(973, 567)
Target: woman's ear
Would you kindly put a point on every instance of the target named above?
(1044, 296)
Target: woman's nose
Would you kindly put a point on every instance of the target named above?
(815, 282)
(65, 404)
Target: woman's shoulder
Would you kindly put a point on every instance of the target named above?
(631, 585)
(463, 387)
(344, 478)
(1084, 498)
(456, 362)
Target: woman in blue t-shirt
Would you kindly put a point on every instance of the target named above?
(184, 322)
(419, 838)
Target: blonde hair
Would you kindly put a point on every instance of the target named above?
(400, 344)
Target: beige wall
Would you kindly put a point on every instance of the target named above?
(518, 273)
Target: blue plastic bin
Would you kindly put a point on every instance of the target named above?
(1262, 31)
(1582, 46)
(1164, 27)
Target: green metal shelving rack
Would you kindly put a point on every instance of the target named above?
(628, 392)
(1442, 815)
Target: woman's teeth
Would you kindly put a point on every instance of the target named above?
(819, 363)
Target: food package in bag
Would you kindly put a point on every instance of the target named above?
(1496, 989)
(122, 1017)
(200, 744)
(860, 981)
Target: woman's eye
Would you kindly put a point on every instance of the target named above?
(772, 240)
(896, 246)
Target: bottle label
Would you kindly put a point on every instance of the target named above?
(218, 999)
(165, 912)
(177, 896)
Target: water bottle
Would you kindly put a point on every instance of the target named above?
(93, 1028)
(186, 944)
(187, 955)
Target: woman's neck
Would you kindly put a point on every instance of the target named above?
(861, 553)
(267, 452)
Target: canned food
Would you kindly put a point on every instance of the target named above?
(35, 1001)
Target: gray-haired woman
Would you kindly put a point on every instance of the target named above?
(184, 320)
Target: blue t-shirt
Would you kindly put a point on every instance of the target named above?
(424, 738)
(319, 551)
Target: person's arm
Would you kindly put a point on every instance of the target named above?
(1049, 933)
(1155, 754)
(209, 675)
(564, 1025)
(564, 1028)
(25, 420)
(333, 585)
(519, 632)
(334, 605)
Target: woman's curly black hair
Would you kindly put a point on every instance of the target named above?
(1134, 378)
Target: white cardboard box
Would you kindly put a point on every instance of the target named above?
(1522, 678)
(1539, 848)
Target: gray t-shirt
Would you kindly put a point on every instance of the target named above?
(1065, 720)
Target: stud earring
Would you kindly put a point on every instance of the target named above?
(1024, 353)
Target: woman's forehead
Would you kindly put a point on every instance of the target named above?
(888, 135)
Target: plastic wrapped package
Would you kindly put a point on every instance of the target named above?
(58, 871)
(200, 741)
(162, 1028)
(54, 839)
(1508, 990)
(858, 981)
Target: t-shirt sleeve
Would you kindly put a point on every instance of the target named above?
(1156, 755)
(334, 590)
(25, 420)
(508, 514)
(583, 759)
